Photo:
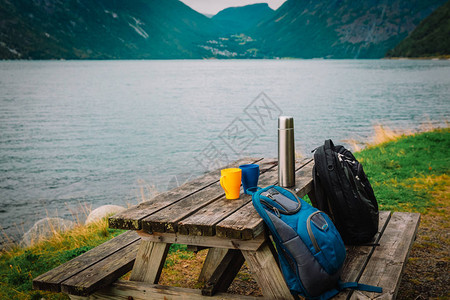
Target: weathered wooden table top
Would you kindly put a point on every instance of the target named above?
(199, 207)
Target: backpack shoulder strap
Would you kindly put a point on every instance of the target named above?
(329, 144)
(320, 197)
(360, 287)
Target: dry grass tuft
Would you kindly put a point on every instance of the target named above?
(354, 144)
(146, 191)
(384, 134)
(299, 155)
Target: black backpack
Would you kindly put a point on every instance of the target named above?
(343, 191)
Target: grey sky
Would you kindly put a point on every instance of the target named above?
(214, 6)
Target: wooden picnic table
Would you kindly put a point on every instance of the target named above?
(198, 214)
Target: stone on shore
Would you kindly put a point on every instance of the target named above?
(102, 212)
(45, 228)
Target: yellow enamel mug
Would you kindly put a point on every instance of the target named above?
(230, 180)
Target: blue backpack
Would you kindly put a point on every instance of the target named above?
(310, 250)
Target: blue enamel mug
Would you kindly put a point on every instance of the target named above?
(250, 176)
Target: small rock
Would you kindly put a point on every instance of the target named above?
(45, 228)
(102, 212)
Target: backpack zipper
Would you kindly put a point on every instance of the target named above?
(277, 212)
(310, 233)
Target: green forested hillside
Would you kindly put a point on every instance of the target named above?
(430, 38)
(101, 29)
(235, 20)
(340, 29)
(156, 29)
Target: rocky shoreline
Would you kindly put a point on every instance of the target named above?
(48, 226)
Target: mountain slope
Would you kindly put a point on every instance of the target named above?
(240, 19)
(340, 28)
(102, 29)
(430, 38)
(156, 29)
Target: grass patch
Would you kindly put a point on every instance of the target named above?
(405, 172)
(19, 266)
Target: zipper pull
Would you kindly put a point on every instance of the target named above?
(357, 178)
(277, 212)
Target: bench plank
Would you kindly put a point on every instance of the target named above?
(123, 289)
(102, 273)
(166, 220)
(388, 260)
(246, 223)
(130, 219)
(358, 256)
(52, 280)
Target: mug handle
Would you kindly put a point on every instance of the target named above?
(222, 178)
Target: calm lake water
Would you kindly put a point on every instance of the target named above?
(106, 132)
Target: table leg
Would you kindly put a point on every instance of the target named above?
(263, 265)
(149, 261)
(224, 273)
(213, 259)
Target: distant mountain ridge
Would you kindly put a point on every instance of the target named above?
(340, 28)
(430, 38)
(155, 29)
(234, 20)
(101, 29)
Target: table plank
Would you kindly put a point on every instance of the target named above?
(130, 219)
(246, 223)
(388, 260)
(166, 220)
(203, 222)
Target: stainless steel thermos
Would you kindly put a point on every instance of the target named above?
(286, 151)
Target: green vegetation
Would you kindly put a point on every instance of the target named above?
(234, 20)
(102, 29)
(19, 266)
(339, 29)
(405, 174)
(153, 29)
(429, 39)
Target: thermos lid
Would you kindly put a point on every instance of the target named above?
(285, 122)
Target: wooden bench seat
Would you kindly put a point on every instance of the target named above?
(380, 264)
(94, 269)
(198, 214)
